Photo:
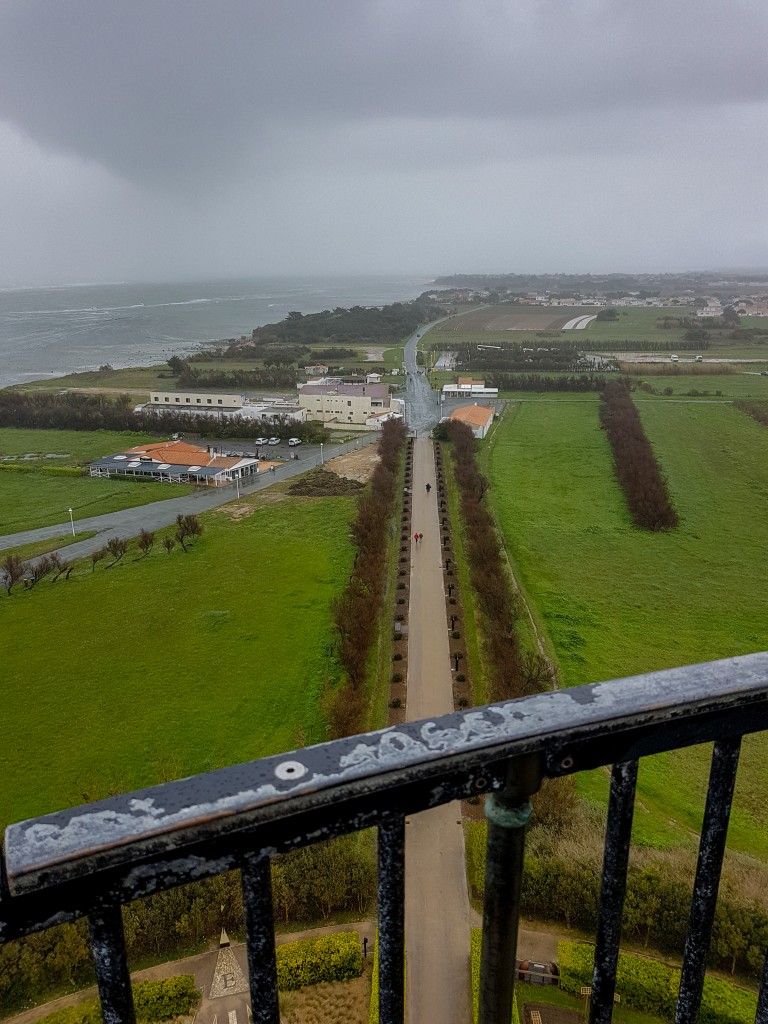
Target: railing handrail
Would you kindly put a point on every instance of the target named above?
(570, 729)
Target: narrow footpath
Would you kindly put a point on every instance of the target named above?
(437, 911)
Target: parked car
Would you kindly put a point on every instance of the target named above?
(274, 440)
(674, 359)
(293, 441)
(260, 441)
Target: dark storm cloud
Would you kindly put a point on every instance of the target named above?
(163, 91)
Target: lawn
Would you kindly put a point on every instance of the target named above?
(173, 664)
(32, 500)
(614, 600)
(71, 447)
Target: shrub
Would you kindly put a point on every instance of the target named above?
(395, 703)
(460, 678)
(310, 961)
(153, 1000)
(651, 986)
(397, 677)
(397, 656)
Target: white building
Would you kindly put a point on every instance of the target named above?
(223, 405)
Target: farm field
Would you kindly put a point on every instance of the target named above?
(506, 320)
(615, 601)
(173, 664)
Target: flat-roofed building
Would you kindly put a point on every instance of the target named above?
(177, 462)
(344, 403)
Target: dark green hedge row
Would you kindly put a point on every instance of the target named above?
(651, 986)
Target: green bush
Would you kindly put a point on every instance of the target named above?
(310, 961)
(153, 1000)
(163, 1000)
(651, 986)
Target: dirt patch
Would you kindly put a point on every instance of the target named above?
(335, 1002)
(243, 508)
(374, 355)
(356, 465)
(322, 483)
(550, 1014)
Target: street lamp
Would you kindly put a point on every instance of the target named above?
(321, 454)
(72, 521)
(237, 484)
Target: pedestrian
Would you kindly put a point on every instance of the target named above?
(415, 538)
(429, 488)
(421, 536)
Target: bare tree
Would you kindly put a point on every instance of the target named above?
(169, 544)
(116, 547)
(13, 569)
(187, 527)
(96, 556)
(146, 541)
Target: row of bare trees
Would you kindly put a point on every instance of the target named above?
(509, 675)
(637, 470)
(356, 610)
(14, 569)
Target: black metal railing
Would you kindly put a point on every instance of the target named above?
(90, 860)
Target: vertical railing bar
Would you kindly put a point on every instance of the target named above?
(111, 964)
(391, 940)
(761, 1016)
(722, 779)
(256, 880)
(507, 813)
(613, 886)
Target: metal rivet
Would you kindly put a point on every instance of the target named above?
(566, 763)
(290, 770)
(480, 783)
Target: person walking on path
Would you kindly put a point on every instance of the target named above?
(429, 488)
(415, 538)
(436, 900)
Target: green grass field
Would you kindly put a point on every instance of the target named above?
(615, 600)
(72, 447)
(173, 664)
(32, 500)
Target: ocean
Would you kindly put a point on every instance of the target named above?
(49, 332)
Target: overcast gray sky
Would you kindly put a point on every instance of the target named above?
(154, 139)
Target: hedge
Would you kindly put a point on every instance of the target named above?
(651, 986)
(153, 1001)
(476, 942)
(310, 961)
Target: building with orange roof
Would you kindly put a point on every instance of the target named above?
(178, 462)
(478, 417)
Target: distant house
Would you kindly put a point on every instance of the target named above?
(478, 417)
(316, 370)
(177, 462)
(373, 378)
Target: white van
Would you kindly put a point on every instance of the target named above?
(293, 441)
(674, 359)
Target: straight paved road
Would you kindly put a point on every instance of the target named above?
(437, 912)
(158, 514)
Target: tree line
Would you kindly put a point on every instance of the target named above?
(357, 609)
(656, 906)
(308, 885)
(508, 672)
(516, 357)
(637, 470)
(582, 382)
(75, 410)
(273, 375)
(697, 344)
